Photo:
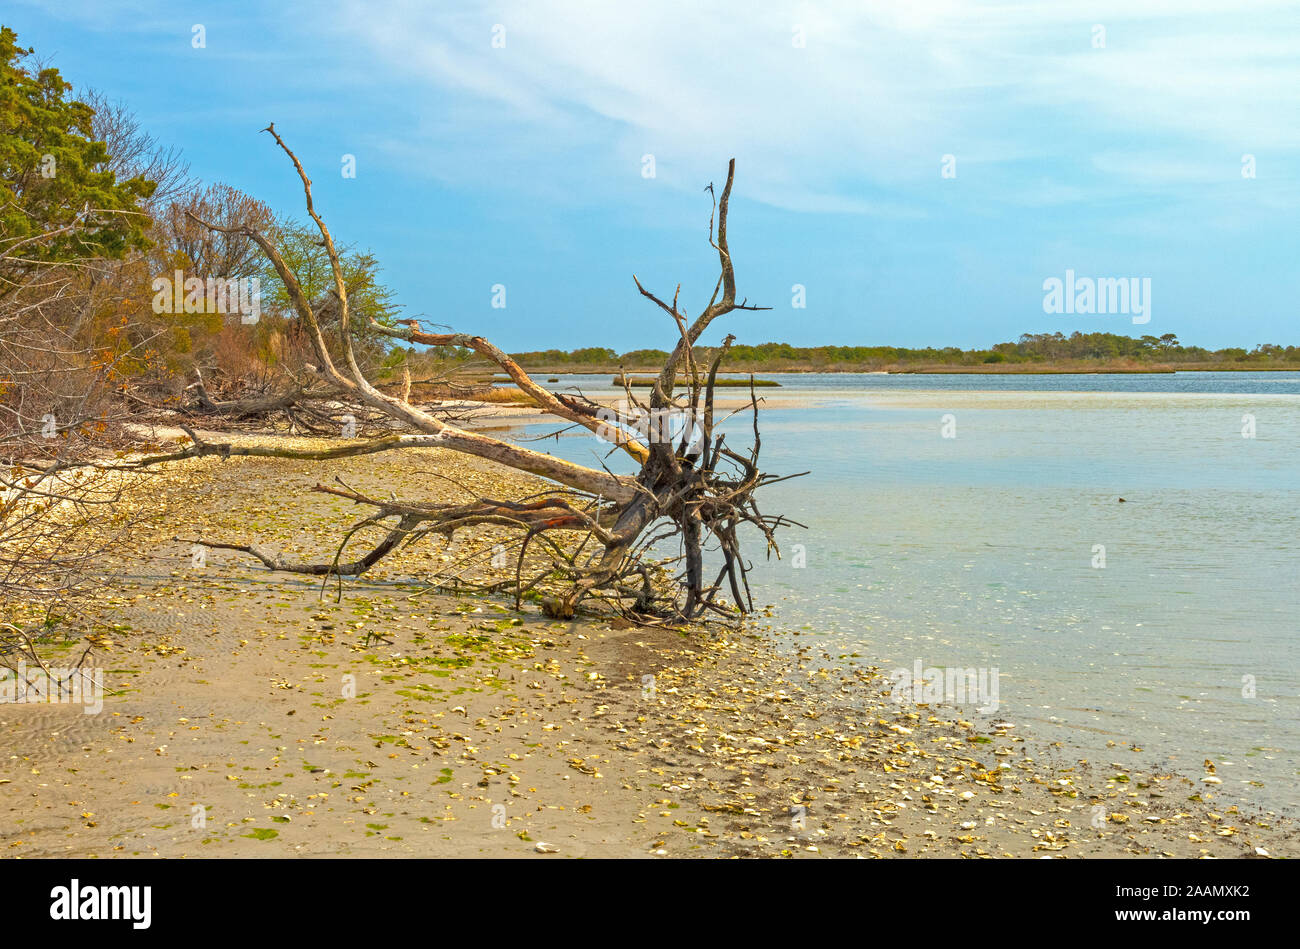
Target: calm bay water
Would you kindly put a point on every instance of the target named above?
(979, 550)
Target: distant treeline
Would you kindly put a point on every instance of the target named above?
(1047, 349)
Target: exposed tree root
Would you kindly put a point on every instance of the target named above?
(596, 539)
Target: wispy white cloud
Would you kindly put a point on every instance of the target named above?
(522, 164)
(829, 101)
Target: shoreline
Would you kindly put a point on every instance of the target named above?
(980, 370)
(474, 730)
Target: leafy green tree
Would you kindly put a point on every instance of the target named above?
(302, 250)
(58, 200)
(368, 298)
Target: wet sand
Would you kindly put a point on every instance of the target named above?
(256, 715)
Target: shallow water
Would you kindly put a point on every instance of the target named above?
(981, 550)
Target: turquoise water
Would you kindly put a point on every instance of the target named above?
(981, 550)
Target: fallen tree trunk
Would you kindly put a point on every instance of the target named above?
(599, 532)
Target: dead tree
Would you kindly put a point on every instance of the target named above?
(599, 534)
(60, 515)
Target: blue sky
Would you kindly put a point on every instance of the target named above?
(522, 164)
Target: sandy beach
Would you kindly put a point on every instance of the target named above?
(259, 714)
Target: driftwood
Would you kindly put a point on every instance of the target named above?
(315, 411)
(599, 535)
